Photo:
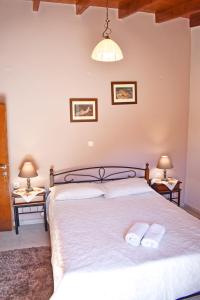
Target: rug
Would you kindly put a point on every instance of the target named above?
(26, 274)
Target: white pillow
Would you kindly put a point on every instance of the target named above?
(76, 191)
(125, 187)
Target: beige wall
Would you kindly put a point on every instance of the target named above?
(45, 60)
(193, 163)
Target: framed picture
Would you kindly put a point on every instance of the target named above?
(83, 110)
(124, 92)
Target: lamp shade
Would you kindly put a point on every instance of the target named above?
(164, 163)
(107, 50)
(28, 170)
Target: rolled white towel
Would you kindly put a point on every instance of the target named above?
(153, 236)
(136, 233)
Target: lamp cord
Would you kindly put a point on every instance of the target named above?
(107, 30)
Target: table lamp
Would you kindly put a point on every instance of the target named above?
(164, 163)
(28, 171)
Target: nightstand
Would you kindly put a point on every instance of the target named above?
(173, 195)
(21, 200)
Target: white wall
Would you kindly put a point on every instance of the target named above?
(193, 163)
(45, 60)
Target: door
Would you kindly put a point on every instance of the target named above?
(5, 206)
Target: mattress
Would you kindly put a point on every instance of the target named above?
(92, 261)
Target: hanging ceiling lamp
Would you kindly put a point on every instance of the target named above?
(107, 50)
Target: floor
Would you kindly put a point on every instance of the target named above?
(29, 236)
(192, 211)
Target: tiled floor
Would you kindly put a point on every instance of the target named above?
(29, 236)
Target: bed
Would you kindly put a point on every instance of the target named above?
(90, 257)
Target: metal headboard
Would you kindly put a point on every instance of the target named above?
(97, 174)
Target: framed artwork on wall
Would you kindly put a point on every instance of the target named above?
(124, 92)
(83, 110)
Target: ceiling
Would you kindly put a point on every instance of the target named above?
(164, 10)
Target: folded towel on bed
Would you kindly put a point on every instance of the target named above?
(136, 233)
(153, 236)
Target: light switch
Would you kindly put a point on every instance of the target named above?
(90, 144)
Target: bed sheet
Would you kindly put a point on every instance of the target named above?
(92, 261)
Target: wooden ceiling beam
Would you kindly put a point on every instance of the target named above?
(36, 5)
(81, 6)
(176, 11)
(195, 20)
(131, 7)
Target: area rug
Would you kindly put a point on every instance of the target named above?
(26, 274)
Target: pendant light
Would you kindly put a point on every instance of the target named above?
(107, 50)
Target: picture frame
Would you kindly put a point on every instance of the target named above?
(124, 92)
(83, 110)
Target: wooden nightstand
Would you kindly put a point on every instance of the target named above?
(19, 202)
(172, 195)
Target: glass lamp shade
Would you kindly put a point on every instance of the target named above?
(164, 163)
(28, 170)
(107, 50)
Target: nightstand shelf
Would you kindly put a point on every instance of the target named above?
(37, 201)
(173, 195)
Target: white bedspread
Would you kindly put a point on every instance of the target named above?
(92, 261)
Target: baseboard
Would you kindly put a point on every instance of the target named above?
(193, 211)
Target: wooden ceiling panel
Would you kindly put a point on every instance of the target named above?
(98, 3)
(195, 20)
(81, 6)
(127, 9)
(59, 1)
(164, 10)
(161, 5)
(178, 10)
(36, 5)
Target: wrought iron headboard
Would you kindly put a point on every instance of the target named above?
(97, 174)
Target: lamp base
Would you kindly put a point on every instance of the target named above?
(29, 188)
(165, 175)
